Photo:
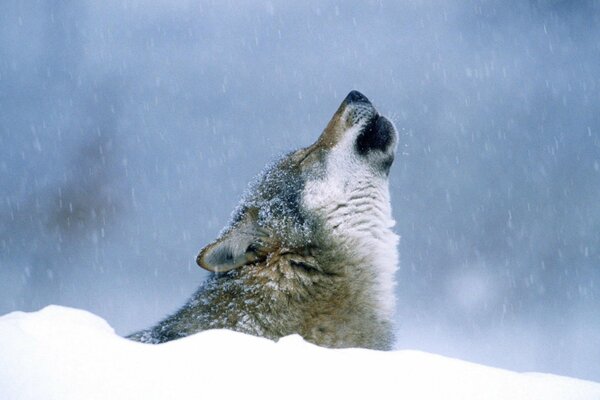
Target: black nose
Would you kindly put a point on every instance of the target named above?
(356, 97)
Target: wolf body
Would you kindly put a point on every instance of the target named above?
(310, 249)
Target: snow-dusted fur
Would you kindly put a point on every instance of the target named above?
(310, 249)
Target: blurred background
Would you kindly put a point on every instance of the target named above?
(129, 130)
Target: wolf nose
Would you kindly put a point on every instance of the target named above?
(356, 97)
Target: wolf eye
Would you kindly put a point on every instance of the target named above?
(304, 266)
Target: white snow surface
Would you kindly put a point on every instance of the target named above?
(65, 353)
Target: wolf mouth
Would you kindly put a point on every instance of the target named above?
(376, 134)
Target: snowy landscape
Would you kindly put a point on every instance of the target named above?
(64, 353)
(130, 129)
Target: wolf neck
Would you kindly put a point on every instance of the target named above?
(360, 220)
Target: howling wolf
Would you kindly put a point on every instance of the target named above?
(310, 248)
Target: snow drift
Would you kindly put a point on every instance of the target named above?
(64, 353)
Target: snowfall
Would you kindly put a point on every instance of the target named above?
(66, 353)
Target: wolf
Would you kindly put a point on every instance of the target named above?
(310, 249)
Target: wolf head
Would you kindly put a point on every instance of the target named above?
(330, 196)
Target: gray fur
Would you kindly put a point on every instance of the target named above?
(281, 267)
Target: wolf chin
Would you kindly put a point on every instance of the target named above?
(310, 248)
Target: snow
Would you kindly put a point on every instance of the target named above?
(65, 353)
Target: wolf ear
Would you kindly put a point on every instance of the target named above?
(243, 244)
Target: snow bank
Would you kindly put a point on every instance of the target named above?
(63, 353)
